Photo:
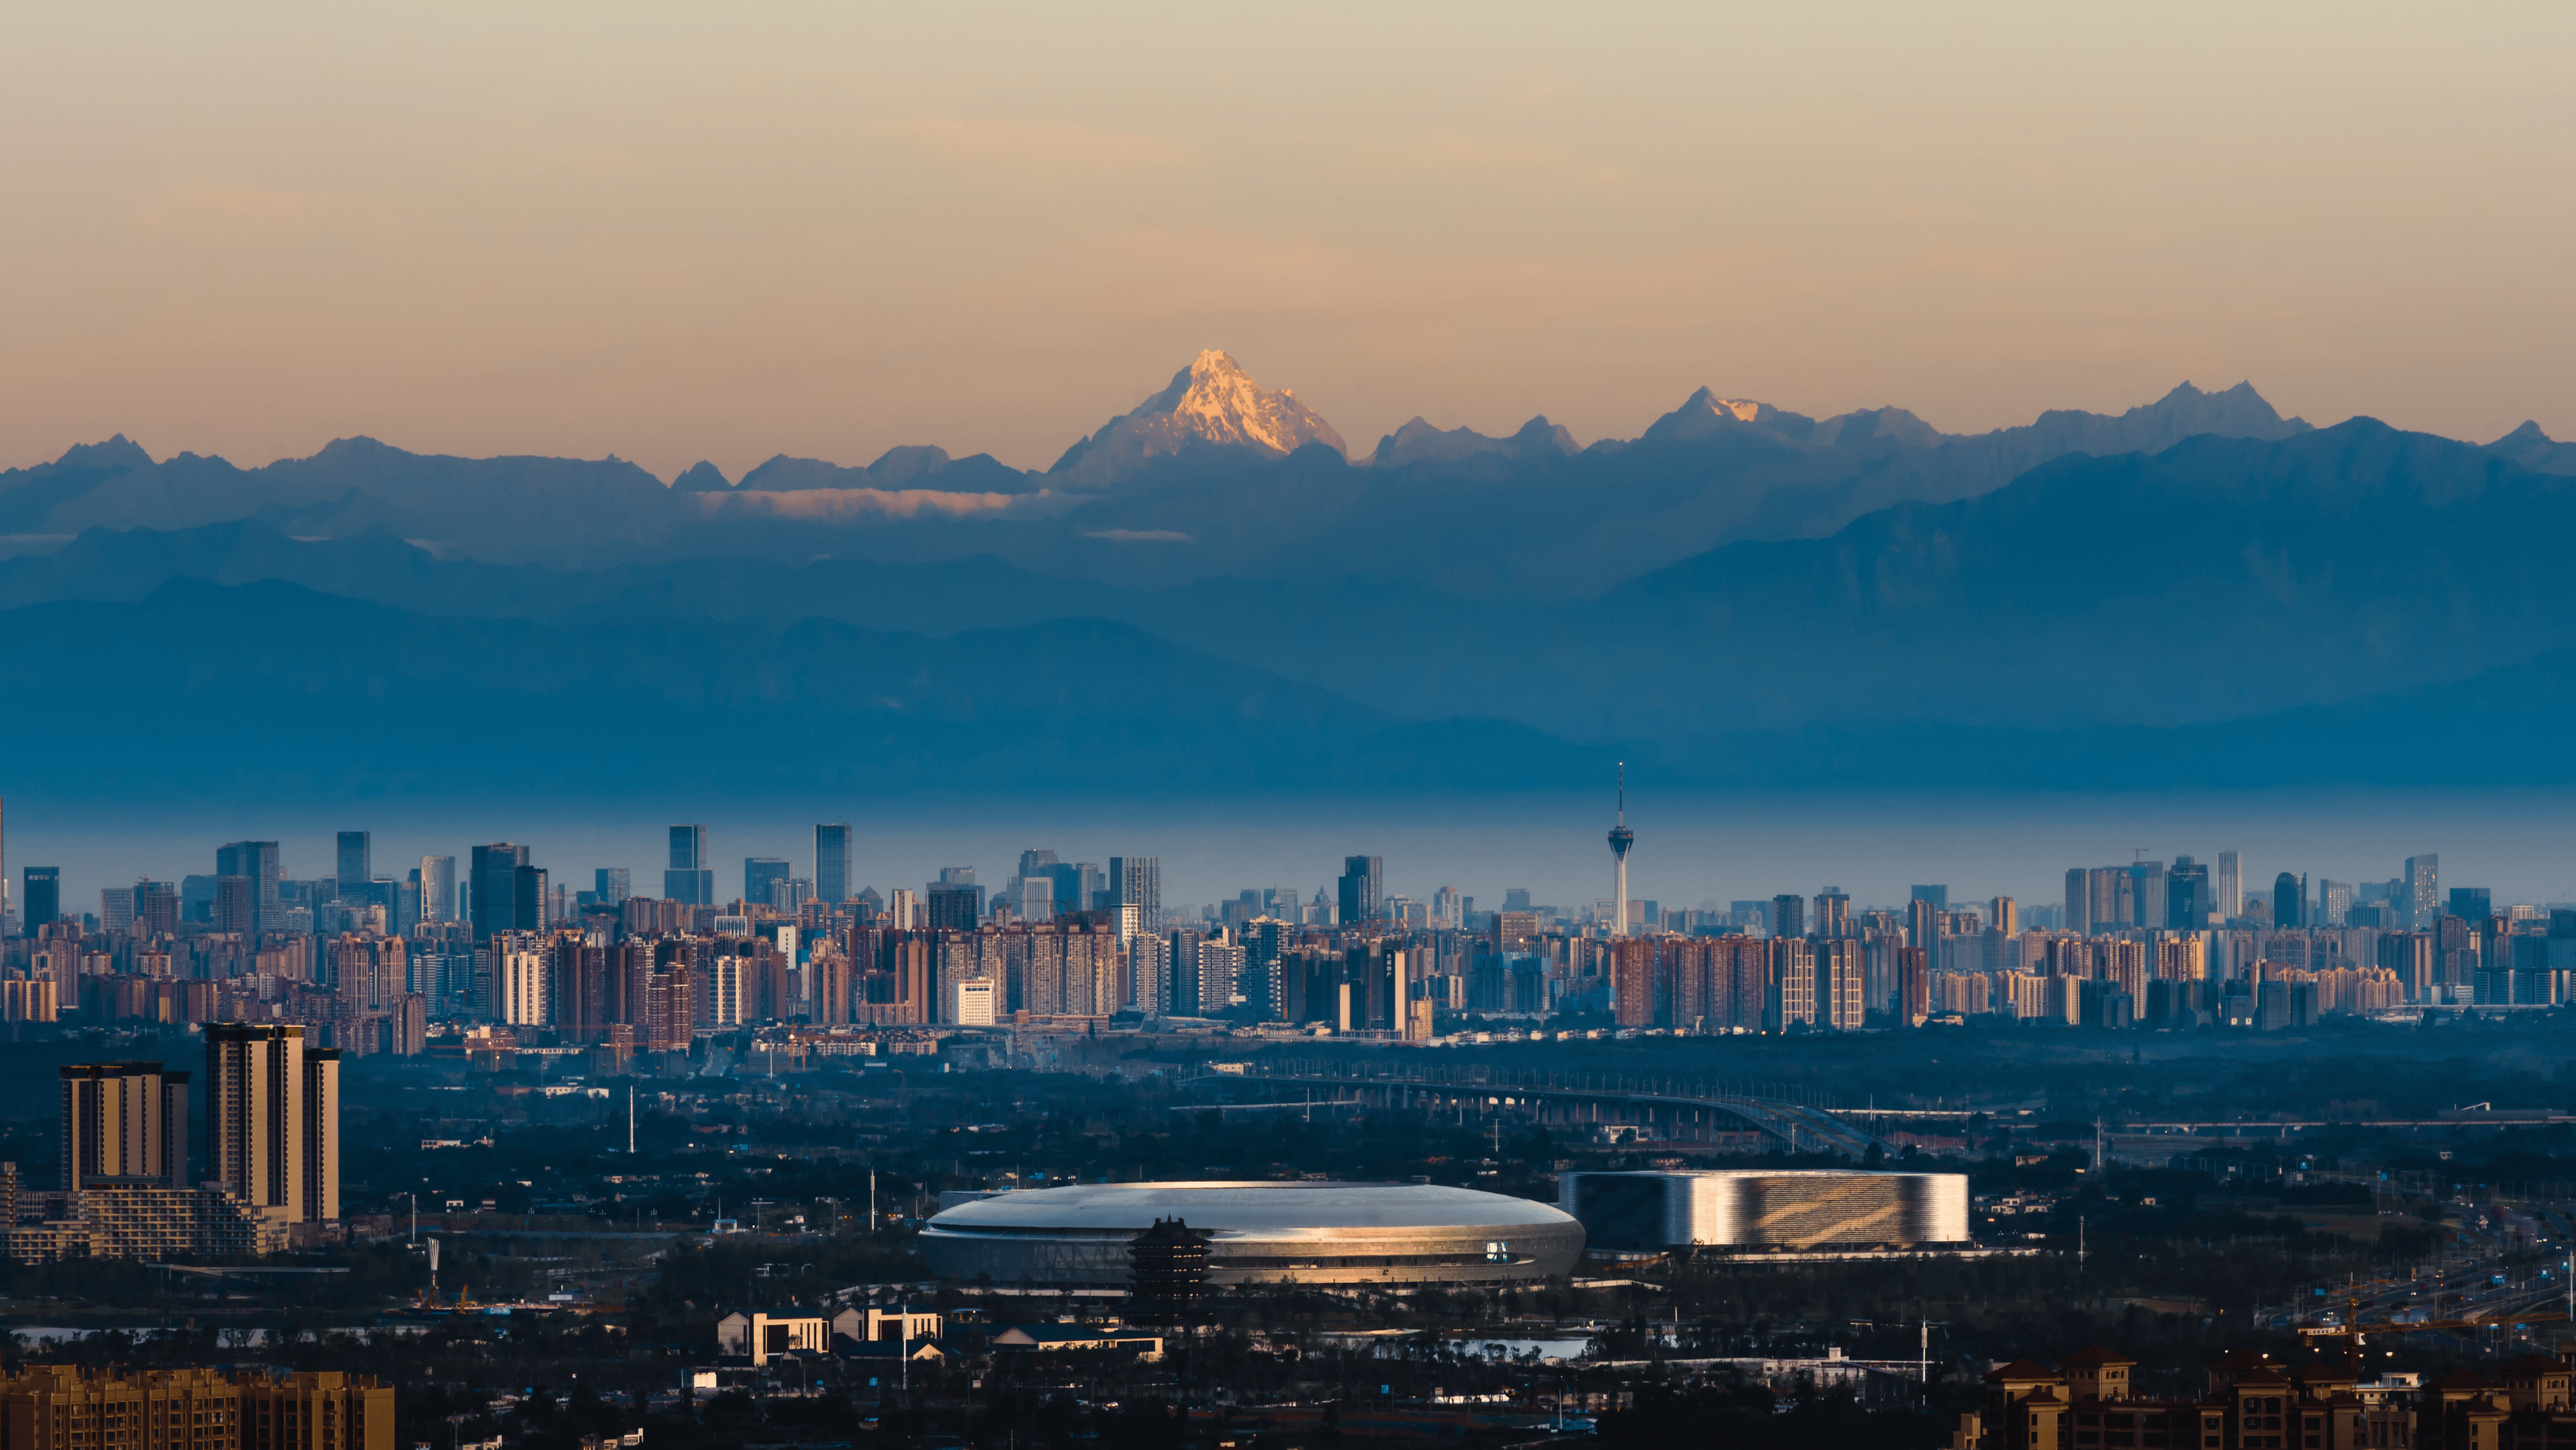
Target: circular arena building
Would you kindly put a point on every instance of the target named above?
(1258, 1233)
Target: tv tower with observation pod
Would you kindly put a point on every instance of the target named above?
(1621, 838)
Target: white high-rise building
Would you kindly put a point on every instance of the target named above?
(519, 987)
(721, 1005)
(2227, 885)
(1220, 974)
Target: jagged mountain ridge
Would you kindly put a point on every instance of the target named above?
(2222, 578)
(1527, 515)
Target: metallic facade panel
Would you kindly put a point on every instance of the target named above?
(1811, 1209)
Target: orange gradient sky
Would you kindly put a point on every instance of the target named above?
(674, 232)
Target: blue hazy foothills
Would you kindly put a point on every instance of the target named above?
(1691, 849)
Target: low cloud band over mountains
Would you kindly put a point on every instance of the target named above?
(1207, 596)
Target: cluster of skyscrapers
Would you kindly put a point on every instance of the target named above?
(2145, 944)
(373, 964)
(269, 1176)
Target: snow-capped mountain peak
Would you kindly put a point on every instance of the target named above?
(1213, 401)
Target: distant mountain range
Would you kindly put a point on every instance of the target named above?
(1207, 596)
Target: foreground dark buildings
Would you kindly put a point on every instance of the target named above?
(2253, 1402)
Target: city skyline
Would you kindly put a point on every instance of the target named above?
(1691, 863)
(813, 725)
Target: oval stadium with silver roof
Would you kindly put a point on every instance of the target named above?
(1259, 1232)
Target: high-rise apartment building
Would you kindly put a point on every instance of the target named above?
(1220, 976)
(832, 864)
(438, 888)
(1149, 973)
(760, 874)
(2227, 886)
(902, 909)
(1792, 995)
(2113, 898)
(1923, 922)
(2423, 903)
(156, 908)
(1362, 889)
(1913, 1001)
(201, 1409)
(519, 997)
(124, 1124)
(1137, 881)
(234, 908)
(2147, 893)
(2334, 902)
(1840, 999)
(1833, 912)
(954, 906)
(355, 858)
(2005, 918)
(273, 1120)
(691, 880)
(257, 861)
(1789, 915)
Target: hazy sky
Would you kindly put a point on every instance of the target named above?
(678, 231)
